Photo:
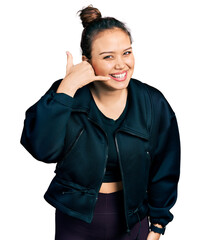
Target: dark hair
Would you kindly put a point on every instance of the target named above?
(93, 24)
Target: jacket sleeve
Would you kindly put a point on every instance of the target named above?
(165, 168)
(45, 125)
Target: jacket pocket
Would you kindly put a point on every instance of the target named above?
(71, 198)
(70, 148)
(61, 187)
(70, 187)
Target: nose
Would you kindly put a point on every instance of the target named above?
(119, 64)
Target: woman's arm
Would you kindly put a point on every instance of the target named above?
(46, 121)
(45, 125)
(164, 174)
(165, 164)
(153, 236)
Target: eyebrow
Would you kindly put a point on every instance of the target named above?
(113, 51)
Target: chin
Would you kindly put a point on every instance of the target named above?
(116, 85)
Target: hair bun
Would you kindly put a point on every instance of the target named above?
(88, 15)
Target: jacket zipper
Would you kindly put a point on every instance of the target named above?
(125, 206)
(116, 143)
(117, 147)
(106, 155)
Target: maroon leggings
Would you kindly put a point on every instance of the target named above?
(108, 222)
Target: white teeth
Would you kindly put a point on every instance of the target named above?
(122, 75)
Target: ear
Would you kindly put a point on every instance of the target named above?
(84, 58)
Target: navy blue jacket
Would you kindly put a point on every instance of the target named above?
(67, 131)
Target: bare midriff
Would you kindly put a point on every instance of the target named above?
(111, 187)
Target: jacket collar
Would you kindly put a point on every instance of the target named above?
(138, 117)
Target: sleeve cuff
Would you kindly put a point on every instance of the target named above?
(63, 99)
(157, 230)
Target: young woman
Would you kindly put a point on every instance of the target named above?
(115, 141)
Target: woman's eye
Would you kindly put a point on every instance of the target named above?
(127, 53)
(107, 57)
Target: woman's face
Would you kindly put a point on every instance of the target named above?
(112, 56)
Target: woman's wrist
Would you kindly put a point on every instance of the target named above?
(157, 225)
(67, 88)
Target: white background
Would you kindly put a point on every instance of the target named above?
(34, 37)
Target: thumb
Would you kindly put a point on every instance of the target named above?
(69, 62)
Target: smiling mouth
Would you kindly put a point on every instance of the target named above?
(119, 76)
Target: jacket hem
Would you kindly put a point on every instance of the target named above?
(66, 210)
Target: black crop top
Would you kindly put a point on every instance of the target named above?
(112, 173)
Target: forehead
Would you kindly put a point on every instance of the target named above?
(111, 40)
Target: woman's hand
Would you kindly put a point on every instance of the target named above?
(77, 76)
(153, 236)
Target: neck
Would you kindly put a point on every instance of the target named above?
(107, 97)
